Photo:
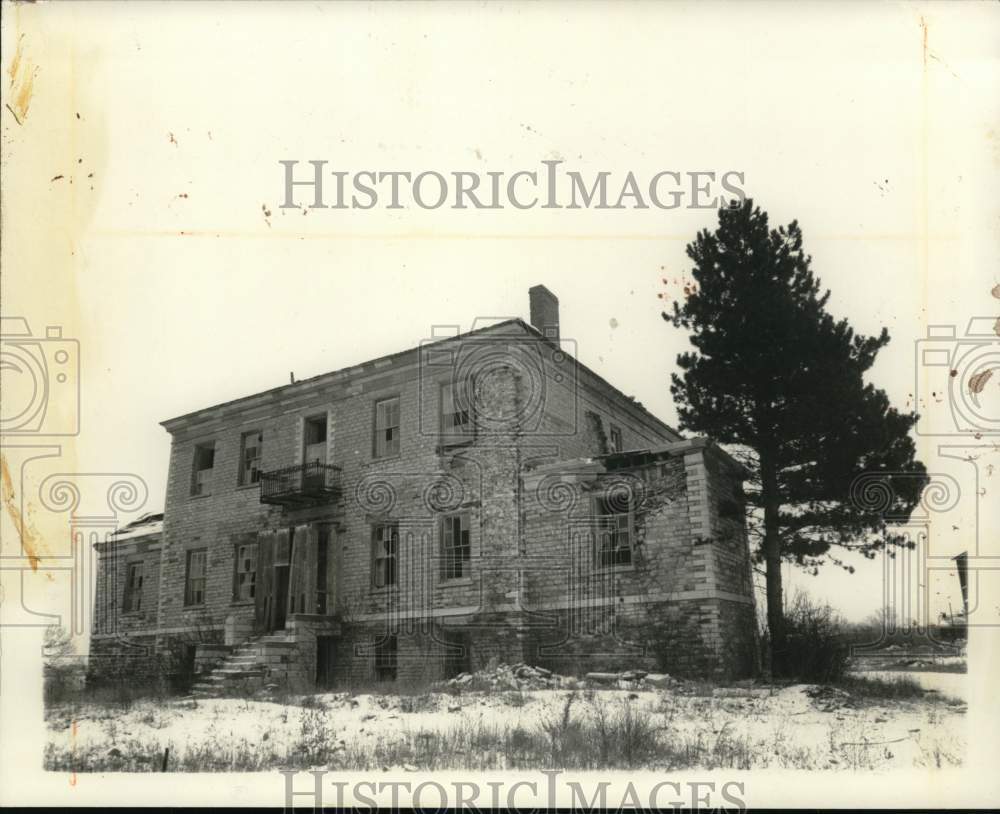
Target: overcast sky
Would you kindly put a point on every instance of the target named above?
(875, 129)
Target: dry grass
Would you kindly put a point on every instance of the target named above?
(582, 730)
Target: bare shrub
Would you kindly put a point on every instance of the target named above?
(818, 651)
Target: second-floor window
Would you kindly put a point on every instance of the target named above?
(204, 461)
(386, 428)
(613, 532)
(385, 549)
(314, 440)
(251, 450)
(456, 415)
(455, 547)
(194, 579)
(615, 439)
(133, 588)
(245, 583)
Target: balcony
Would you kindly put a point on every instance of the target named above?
(306, 484)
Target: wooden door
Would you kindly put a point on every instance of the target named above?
(302, 580)
(264, 595)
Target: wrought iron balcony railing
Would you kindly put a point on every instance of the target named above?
(301, 485)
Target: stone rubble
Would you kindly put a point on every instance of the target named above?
(523, 676)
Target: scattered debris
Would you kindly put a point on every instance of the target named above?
(829, 699)
(518, 676)
(603, 678)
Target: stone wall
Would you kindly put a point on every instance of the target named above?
(531, 566)
(113, 562)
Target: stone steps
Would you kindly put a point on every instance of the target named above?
(249, 665)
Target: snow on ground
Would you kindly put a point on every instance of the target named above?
(777, 727)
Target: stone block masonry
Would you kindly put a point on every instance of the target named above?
(494, 500)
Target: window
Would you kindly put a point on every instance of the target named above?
(314, 440)
(245, 583)
(615, 440)
(385, 546)
(386, 659)
(194, 581)
(133, 588)
(204, 460)
(386, 428)
(454, 546)
(251, 450)
(456, 413)
(613, 533)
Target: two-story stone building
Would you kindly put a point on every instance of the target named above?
(482, 495)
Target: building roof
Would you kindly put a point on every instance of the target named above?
(307, 385)
(144, 526)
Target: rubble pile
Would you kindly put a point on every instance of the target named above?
(518, 676)
(631, 680)
(523, 676)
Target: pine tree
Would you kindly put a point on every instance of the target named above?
(779, 380)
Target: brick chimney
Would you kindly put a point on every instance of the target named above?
(544, 311)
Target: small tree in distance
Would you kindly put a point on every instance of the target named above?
(774, 376)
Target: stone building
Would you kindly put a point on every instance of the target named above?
(484, 495)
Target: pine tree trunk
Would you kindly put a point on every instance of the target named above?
(772, 562)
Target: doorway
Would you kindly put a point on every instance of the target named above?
(280, 607)
(457, 656)
(325, 655)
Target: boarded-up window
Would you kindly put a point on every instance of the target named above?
(613, 532)
(251, 451)
(245, 584)
(455, 548)
(133, 588)
(385, 546)
(386, 428)
(456, 409)
(204, 461)
(386, 659)
(194, 581)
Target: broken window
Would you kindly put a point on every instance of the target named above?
(251, 450)
(133, 588)
(386, 659)
(615, 439)
(245, 586)
(613, 532)
(385, 546)
(456, 413)
(194, 580)
(204, 460)
(386, 428)
(455, 548)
